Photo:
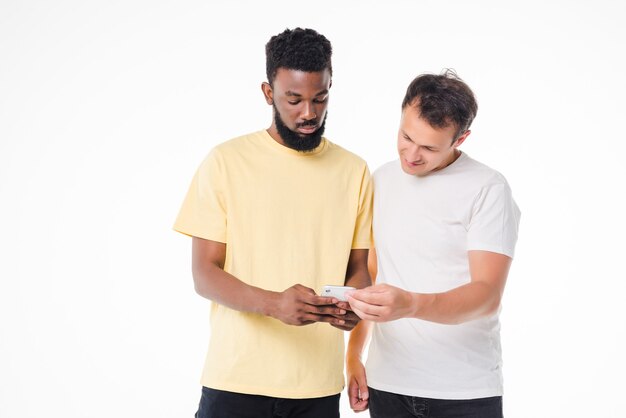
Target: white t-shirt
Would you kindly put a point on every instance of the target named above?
(423, 229)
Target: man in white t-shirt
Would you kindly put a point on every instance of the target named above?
(445, 228)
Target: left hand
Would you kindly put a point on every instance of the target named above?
(350, 318)
(382, 303)
(358, 393)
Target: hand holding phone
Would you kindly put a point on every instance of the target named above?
(337, 292)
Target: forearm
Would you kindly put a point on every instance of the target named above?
(357, 274)
(479, 298)
(465, 303)
(358, 394)
(221, 287)
(359, 281)
(358, 339)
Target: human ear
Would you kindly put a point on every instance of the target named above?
(462, 138)
(268, 92)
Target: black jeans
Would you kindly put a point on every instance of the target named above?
(220, 404)
(390, 405)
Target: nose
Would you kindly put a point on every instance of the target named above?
(308, 112)
(413, 153)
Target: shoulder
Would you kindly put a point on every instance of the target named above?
(228, 149)
(481, 174)
(338, 152)
(218, 157)
(489, 185)
(388, 169)
(237, 144)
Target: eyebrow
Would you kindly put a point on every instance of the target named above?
(294, 94)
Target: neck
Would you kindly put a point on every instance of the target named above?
(275, 135)
(455, 155)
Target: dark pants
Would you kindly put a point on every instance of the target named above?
(220, 404)
(390, 405)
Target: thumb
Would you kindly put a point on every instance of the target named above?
(363, 388)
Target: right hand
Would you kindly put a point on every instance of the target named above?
(358, 394)
(299, 305)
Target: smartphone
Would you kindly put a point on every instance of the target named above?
(336, 292)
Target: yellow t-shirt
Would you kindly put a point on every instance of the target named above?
(286, 217)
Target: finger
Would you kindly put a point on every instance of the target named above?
(323, 300)
(351, 316)
(353, 393)
(364, 394)
(363, 389)
(364, 307)
(360, 406)
(326, 318)
(326, 310)
(368, 295)
(351, 321)
(344, 305)
(348, 324)
(314, 299)
(365, 316)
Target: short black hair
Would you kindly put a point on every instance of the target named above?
(297, 49)
(443, 100)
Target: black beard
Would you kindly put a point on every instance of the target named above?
(294, 140)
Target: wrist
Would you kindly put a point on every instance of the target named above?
(352, 355)
(421, 304)
(268, 303)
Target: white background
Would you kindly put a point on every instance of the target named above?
(107, 108)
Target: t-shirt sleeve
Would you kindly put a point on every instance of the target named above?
(363, 227)
(494, 221)
(203, 213)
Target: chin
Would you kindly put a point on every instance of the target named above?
(410, 170)
(416, 171)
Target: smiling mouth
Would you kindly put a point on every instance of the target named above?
(307, 130)
(414, 164)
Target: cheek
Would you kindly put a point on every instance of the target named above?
(407, 151)
(287, 116)
(320, 109)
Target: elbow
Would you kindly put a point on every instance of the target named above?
(198, 288)
(199, 285)
(487, 310)
(492, 307)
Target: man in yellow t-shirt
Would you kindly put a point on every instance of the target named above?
(274, 216)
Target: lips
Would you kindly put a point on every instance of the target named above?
(413, 164)
(307, 130)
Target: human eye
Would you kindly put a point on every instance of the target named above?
(320, 99)
(293, 102)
